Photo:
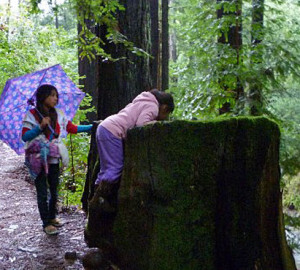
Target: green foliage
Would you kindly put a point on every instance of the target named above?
(203, 63)
(207, 73)
(91, 14)
(26, 46)
(99, 12)
(63, 15)
(291, 191)
(73, 178)
(201, 60)
(285, 107)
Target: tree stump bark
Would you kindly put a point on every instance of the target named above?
(200, 195)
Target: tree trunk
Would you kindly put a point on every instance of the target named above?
(56, 14)
(200, 195)
(232, 36)
(155, 43)
(173, 48)
(90, 69)
(8, 17)
(165, 45)
(255, 93)
(119, 82)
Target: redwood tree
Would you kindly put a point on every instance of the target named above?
(165, 45)
(113, 84)
(231, 35)
(256, 100)
(88, 70)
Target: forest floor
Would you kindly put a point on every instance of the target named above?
(24, 245)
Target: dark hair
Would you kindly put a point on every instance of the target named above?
(41, 94)
(164, 98)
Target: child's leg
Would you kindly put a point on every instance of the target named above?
(110, 150)
(103, 206)
(41, 189)
(53, 181)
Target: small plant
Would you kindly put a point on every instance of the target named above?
(73, 178)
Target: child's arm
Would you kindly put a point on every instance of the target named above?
(30, 134)
(84, 128)
(148, 115)
(74, 129)
(151, 122)
(30, 130)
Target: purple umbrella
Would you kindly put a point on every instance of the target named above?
(17, 94)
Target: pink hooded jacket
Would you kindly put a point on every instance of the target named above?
(143, 109)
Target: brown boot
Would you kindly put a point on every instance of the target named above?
(102, 213)
(108, 196)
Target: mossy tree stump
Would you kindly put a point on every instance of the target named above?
(201, 195)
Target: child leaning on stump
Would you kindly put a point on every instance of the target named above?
(146, 108)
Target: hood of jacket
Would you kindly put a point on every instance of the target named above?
(145, 97)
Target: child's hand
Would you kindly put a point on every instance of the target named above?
(45, 121)
(151, 122)
(98, 122)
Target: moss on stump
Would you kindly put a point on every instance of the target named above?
(202, 195)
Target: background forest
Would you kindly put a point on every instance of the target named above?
(227, 58)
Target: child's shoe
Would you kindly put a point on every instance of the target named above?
(108, 199)
(106, 206)
(56, 222)
(50, 230)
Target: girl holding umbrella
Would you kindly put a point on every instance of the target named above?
(42, 127)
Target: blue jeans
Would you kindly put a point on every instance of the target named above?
(47, 208)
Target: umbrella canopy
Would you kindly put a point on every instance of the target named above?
(14, 101)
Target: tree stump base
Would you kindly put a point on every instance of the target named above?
(201, 195)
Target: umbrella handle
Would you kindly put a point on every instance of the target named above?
(49, 126)
(52, 131)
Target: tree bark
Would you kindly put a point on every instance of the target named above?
(117, 83)
(255, 93)
(173, 48)
(56, 14)
(165, 45)
(121, 81)
(90, 70)
(155, 43)
(201, 196)
(233, 37)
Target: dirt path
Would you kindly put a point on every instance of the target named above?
(23, 243)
